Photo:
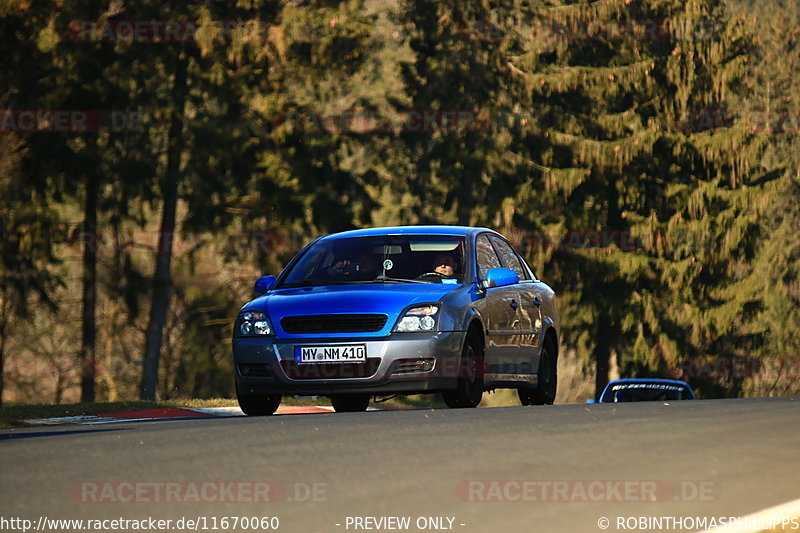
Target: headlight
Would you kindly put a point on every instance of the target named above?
(421, 318)
(252, 324)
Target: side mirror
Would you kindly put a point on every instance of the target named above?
(500, 277)
(264, 284)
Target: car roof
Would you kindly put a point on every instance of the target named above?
(409, 230)
(648, 380)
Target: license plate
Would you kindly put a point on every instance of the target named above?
(349, 353)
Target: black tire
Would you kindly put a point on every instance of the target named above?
(469, 390)
(350, 403)
(545, 391)
(258, 404)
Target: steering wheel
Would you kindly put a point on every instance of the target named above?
(437, 275)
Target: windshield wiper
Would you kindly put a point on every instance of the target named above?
(320, 283)
(384, 279)
(317, 283)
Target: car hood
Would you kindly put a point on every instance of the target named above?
(374, 298)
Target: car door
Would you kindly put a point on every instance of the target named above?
(499, 310)
(529, 313)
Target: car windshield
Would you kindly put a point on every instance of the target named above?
(645, 392)
(379, 259)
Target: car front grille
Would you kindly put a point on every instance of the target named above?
(333, 323)
(331, 370)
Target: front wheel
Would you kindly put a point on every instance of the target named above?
(545, 391)
(469, 390)
(350, 403)
(258, 404)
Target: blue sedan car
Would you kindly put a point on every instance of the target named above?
(401, 310)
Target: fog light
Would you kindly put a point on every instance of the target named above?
(413, 366)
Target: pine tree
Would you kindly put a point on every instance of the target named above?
(609, 83)
(461, 166)
(327, 111)
(770, 107)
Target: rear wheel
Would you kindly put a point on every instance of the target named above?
(258, 404)
(350, 403)
(545, 391)
(469, 390)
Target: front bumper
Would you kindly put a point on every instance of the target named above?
(398, 363)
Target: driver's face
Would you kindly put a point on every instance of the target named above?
(444, 266)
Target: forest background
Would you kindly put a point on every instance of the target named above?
(157, 157)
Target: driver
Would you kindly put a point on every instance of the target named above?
(445, 265)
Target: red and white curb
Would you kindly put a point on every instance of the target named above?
(113, 418)
(176, 412)
(282, 410)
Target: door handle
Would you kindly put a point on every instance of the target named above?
(537, 301)
(514, 304)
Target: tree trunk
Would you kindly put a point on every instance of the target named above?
(602, 353)
(162, 279)
(465, 202)
(5, 317)
(90, 243)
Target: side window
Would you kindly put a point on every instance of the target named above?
(529, 271)
(510, 258)
(487, 258)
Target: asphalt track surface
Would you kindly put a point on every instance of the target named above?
(704, 458)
